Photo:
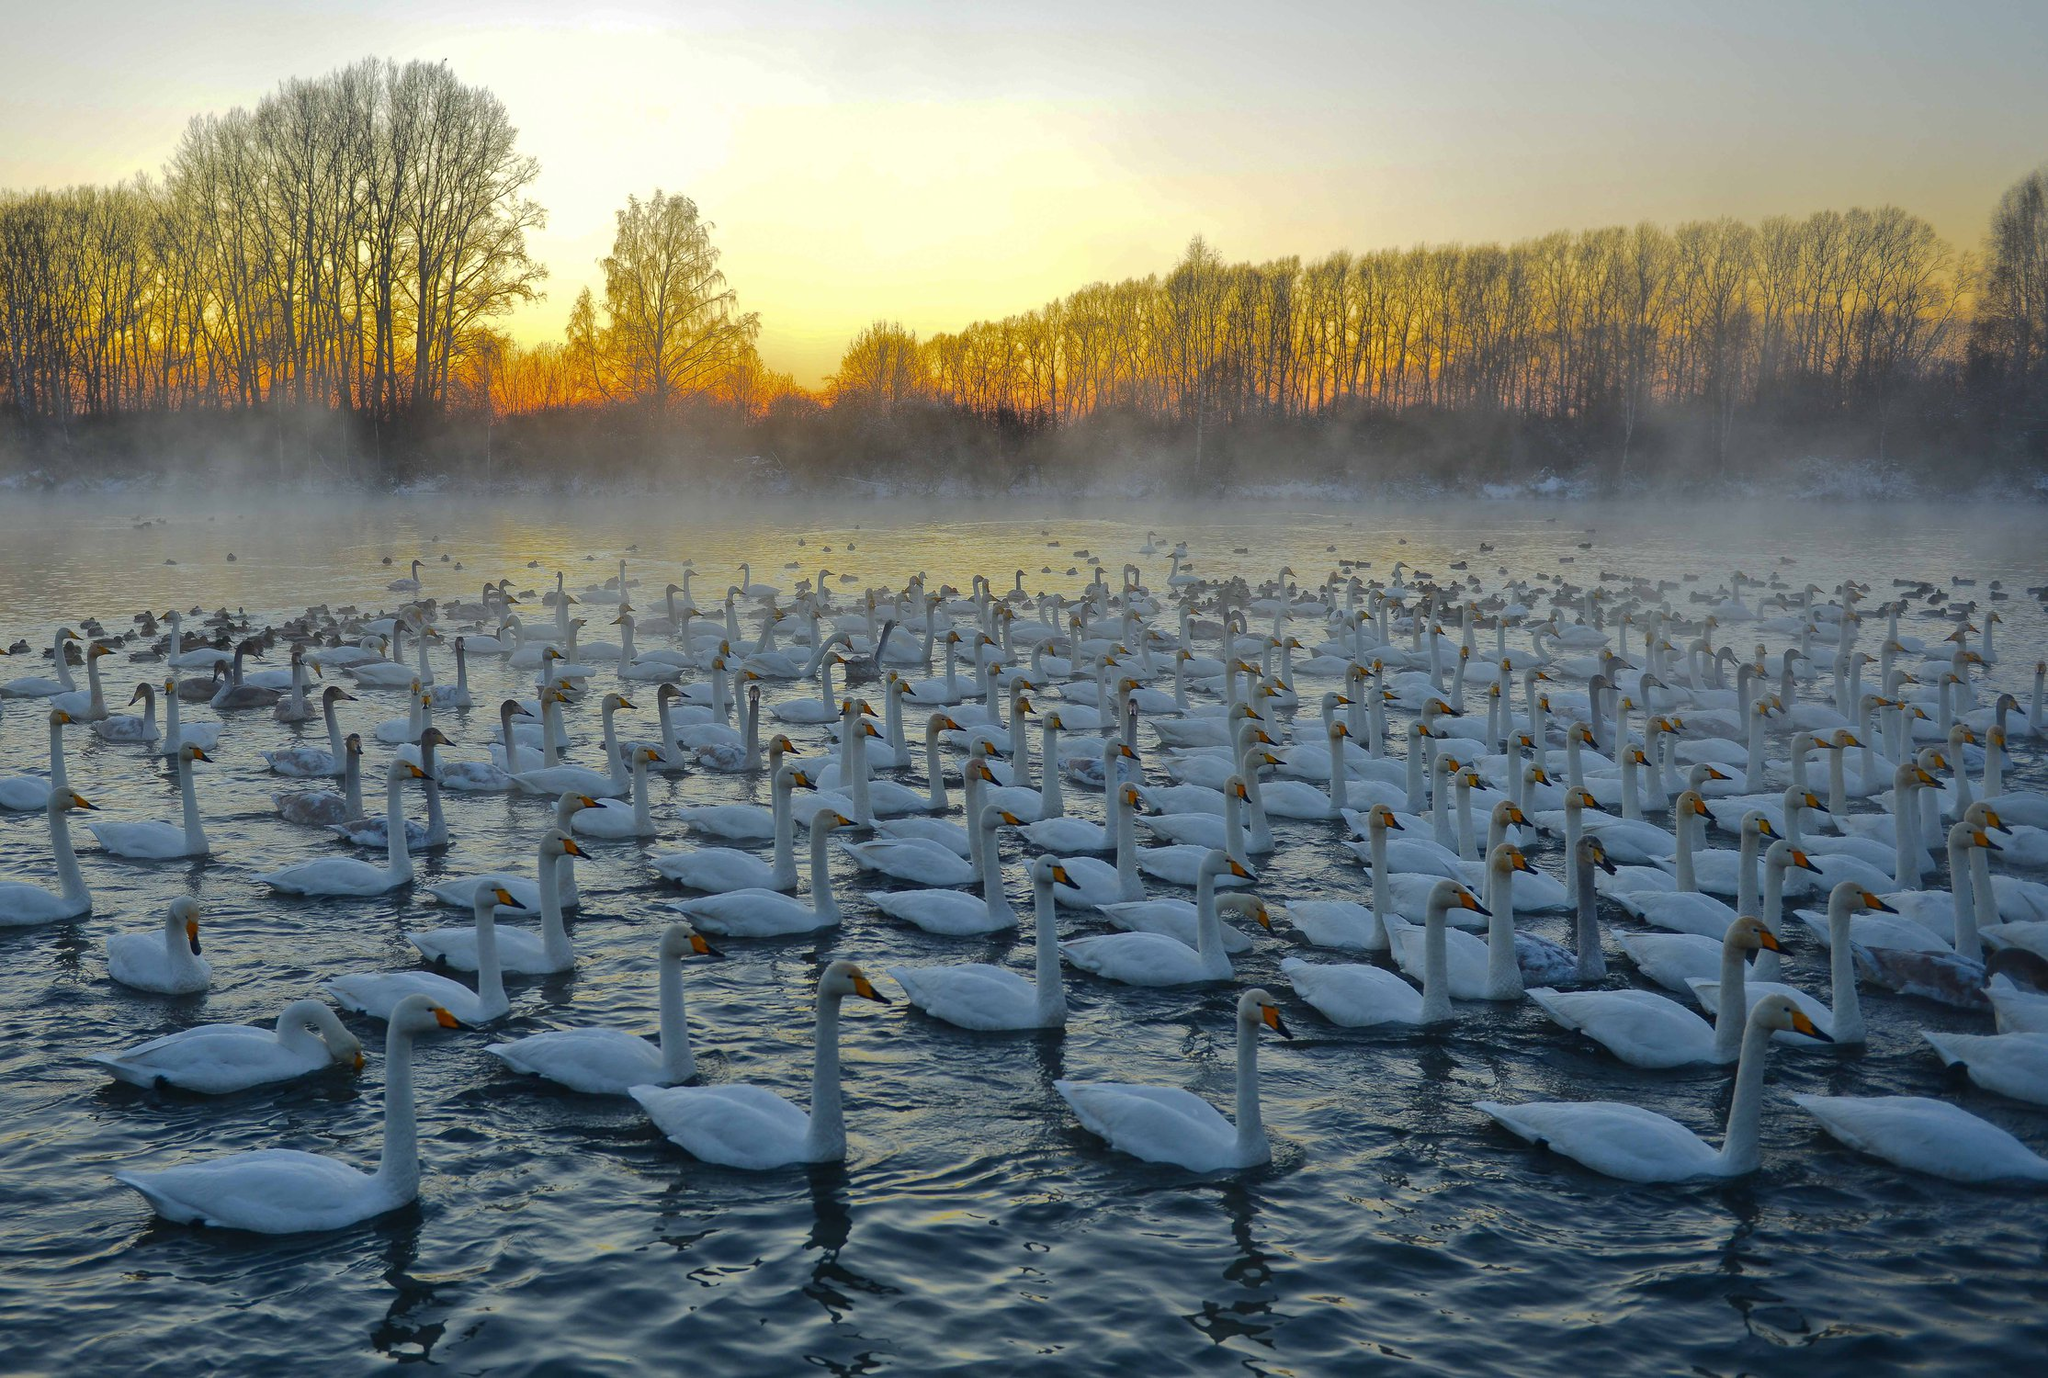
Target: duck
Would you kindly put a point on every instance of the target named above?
(284, 1191)
(23, 904)
(168, 961)
(343, 875)
(741, 1125)
(162, 841)
(520, 953)
(1153, 959)
(611, 1062)
(1645, 1029)
(1925, 1135)
(380, 993)
(1165, 1124)
(770, 913)
(1637, 1145)
(991, 999)
(221, 1059)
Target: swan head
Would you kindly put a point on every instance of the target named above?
(65, 800)
(680, 940)
(418, 1014)
(798, 779)
(1447, 895)
(1221, 863)
(1749, 935)
(184, 913)
(1508, 859)
(1047, 871)
(1256, 1007)
(1592, 853)
(1786, 855)
(333, 694)
(1777, 1012)
(352, 745)
(188, 754)
(827, 819)
(1862, 899)
(843, 978)
(555, 842)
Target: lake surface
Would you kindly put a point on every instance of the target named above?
(975, 1227)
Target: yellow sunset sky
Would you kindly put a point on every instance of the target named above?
(936, 163)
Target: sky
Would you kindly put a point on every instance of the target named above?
(936, 163)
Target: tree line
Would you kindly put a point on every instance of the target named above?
(326, 276)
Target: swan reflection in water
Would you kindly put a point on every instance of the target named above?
(1247, 1314)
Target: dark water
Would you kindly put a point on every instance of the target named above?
(975, 1227)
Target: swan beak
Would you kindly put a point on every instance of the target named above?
(79, 801)
(1238, 869)
(1271, 1015)
(1767, 939)
(1011, 819)
(1131, 755)
(1764, 829)
(199, 754)
(1601, 859)
(570, 848)
(1871, 901)
(1059, 875)
(359, 1059)
(1983, 840)
(417, 773)
(866, 990)
(1802, 1024)
(702, 948)
(192, 935)
(445, 1019)
(1465, 901)
(1804, 863)
(1263, 915)
(801, 781)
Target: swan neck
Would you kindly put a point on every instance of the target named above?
(821, 876)
(398, 1169)
(1251, 1127)
(1052, 991)
(1732, 1003)
(678, 1063)
(396, 856)
(69, 877)
(1740, 1151)
(1436, 968)
(195, 834)
(554, 935)
(1592, 961)
(825, 1140)
(785, 833)
(1848, 1008)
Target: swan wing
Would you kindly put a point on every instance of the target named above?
(738, 1125)
(213, 1059)
(1160, 1124)
(1137, 959)
(952, 912)
(973, 995)
(1924, 1135)
(1640, 1027)
(1610, 1137)
(597, 1062)
(1354, 994)
(751, 913)
(270, 1191)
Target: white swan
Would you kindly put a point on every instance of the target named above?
(1165, 1124)
(977, 995)
(954, 913)
(131, 729)
(380, 993)
(1153, 959)
(31, 793)
(167, 961)
(1181, 919)
(218, 1059)
(284, 1191)
(1638, 1145)
(1929, 1136)
(1358, 996)
(1645, 1029)
(344, 875)
(715, 870)
(44, 686)
(309, 762)
(611, 1062)
(22, 904)
(615, 819)
(521, 953)
(162, 841)
(1842, 1019)
(746, 1126)
(459, 892)
(770, 913)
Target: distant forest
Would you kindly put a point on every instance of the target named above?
(317, 288)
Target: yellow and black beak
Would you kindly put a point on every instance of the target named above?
(1767, 939)
(1466, 901)
(1876, 903)
(1802, 1024)
(866, 990)
(192, 935)
(1237, 869)
(1059, 874)
(445, 1019)
(1804, 862)
(1271, 1015)
(702, 948)
(570, 848)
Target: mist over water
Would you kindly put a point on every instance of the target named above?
(975, 1227)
